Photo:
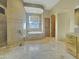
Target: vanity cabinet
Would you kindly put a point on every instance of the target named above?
(72, 44)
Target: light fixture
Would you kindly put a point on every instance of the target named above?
(33, 10)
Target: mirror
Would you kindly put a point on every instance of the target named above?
(77, 16)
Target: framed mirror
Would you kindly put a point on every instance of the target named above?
(77, 16)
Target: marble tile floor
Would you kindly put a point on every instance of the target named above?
(50, 50)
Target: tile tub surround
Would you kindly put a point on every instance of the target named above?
(50, 50)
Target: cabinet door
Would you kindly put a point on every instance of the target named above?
(77, 47)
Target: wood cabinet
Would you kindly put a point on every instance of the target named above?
(72, 45)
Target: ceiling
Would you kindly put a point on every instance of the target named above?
(48, 4)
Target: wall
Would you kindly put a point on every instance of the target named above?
(66, 7)
(3, 30)
(46, 14)
(3, 21)
(3, 2)
(15, 19)
(63, 25)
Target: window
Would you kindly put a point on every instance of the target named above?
(24, 26)
(34, 22)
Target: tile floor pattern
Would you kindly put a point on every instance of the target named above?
(51, 50)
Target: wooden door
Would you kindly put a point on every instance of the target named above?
(47, 27)
(53, 20)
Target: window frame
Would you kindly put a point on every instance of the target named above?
(35, 30)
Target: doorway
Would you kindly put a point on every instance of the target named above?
(53, 20)
(47, 27)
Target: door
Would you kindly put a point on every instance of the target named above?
(47, 27)
(53, 19)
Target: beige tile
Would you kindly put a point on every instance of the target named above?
(49, 50)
